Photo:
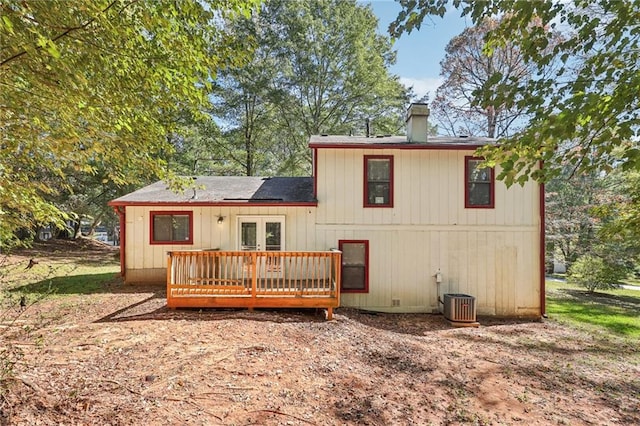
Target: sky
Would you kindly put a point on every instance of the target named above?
(419, 53)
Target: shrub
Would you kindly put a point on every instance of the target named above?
(595, 273)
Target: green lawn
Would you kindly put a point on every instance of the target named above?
(632, 281)
(51, 279)
(614, 311)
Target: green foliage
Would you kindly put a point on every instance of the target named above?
(200, 149)
(620, 212)
(571, 226)
(594, 273)
(585, 215)
(94, 87)
(581, 110)
(319, 67)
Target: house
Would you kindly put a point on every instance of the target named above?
(402, 210)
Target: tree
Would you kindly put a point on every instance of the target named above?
(90, 82)
(571, 226)
(593, 273)
(467, 69)
(199, 149)
(618, 213)
(589, 215)
(241, 101)
(320, 68)
(621, 212)
(579, 114)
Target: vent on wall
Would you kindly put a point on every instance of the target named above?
(395, 302)
(460, 307)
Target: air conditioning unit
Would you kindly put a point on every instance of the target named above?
(460, 307)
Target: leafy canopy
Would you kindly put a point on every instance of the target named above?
(95, 85)
(319, 66)
(586, 108)
(595, 273)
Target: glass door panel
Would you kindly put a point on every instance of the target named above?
(273, 242)
(248, 236)
(272, 237)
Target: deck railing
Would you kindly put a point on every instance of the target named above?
(212, 278)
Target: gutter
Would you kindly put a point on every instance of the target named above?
(121, 212)
(543, 272)
(238, 202)
(404, 145)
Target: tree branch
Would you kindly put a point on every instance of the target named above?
(62, 34)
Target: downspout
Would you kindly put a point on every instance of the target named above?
(543, 270)
(315, 173)
(121, 211)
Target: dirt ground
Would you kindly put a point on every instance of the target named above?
(118, 356)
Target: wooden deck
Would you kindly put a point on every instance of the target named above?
(256, 279)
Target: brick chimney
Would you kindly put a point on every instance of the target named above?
(417, 116)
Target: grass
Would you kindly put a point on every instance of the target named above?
(55, 279)
(94, 282)
(632, 281)
(614, 311)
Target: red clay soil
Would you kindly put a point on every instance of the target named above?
(120, 357)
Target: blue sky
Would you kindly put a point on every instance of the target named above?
(420, 53)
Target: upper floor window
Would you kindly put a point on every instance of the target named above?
(171, 227)
(378, 181)
(479, 184)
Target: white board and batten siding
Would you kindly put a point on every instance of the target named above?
(147, 262)
(491, 254)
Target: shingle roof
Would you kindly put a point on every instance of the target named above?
(227, 190)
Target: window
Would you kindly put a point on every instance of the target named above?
(355, 266)
(378, 181)
(172, 227)
(479, 181)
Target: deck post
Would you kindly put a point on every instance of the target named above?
(169, 279)
(254, 276)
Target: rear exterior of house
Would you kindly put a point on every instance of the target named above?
(428, 224)
(401, 209)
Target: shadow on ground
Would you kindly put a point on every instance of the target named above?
(108, 282)
(615, 313)
(153, 307)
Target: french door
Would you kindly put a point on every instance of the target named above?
(262, 233)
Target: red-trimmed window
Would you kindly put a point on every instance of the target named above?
(479, 191)
(378, 181)
(355, 266)
(171, 227)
